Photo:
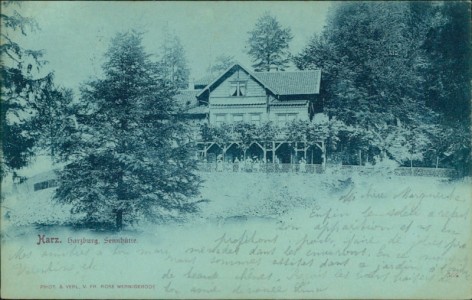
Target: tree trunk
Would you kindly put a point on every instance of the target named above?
(119, 219)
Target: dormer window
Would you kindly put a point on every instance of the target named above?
(238, 89)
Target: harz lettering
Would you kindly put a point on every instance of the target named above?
(43, 239)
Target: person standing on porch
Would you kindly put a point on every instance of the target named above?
(236, 165)
(256, 165)
(219, 163)
(243, 164)
(276, 163)
(248, 164)
(303, 165)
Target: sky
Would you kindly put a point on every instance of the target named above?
(75, 35)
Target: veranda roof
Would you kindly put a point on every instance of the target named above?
(289, 103)
(186, 98)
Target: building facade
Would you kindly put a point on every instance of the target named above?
(239, 95)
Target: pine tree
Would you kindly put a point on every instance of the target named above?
(131, 157)
(269, 44)
(23, 89)
(56, 117)
(173, 61)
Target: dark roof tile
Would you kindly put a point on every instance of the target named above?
(291, 83)
(279, 83)
(186, 98)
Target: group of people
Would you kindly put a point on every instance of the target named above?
(249, 164)
(254, 164)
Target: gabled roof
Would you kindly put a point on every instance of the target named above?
(187, 101)
(186, 98)
(279, 83)
(218, 80)
(292, 83)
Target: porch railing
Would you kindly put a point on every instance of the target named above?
(318, 169)
(260, 167)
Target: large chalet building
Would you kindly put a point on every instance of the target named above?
(240, 95)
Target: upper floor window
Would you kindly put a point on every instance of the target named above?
(238, 89)
(283, 119)
(220, 119)
(238, 118)
(291, 117)
(256, 119)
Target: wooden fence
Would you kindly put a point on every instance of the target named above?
(318, 169)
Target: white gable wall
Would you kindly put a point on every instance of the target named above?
(252, 107)
(254, 89)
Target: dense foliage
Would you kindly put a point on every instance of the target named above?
(23, 91)
(173, 62)
(245, 134)
(57, 119)
(129, 157)
(399, 74)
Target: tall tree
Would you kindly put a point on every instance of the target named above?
(173, 61)
(448, 90)
(373, 72)
(56, 116)
(269, 44)
(22, 90)
(448, 49)
(131, 158)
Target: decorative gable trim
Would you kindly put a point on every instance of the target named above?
(217, 79)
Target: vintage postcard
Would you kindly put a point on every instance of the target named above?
(236, 150)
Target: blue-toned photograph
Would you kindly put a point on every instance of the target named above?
(236, 150)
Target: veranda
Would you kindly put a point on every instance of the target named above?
(259, 167)
(280, 152)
